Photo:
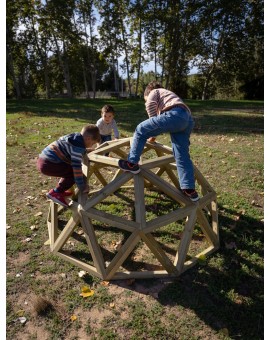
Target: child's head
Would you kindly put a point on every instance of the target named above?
(90, 135)
(151, 86)
(107, 113)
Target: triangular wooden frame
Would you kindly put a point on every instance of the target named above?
(83, 211)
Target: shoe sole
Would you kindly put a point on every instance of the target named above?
(56, 201)
(194, 199)
(126, 170)
(133, 172)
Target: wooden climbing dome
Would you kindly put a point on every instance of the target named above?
(158, 173)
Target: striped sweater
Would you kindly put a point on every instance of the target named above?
(160, 100)
(68, 149)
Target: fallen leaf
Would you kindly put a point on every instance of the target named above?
(86, 292)
(47, 243)
(82, 273)
(22, 319)
(202, 259)
(38, 214)
(73, 317)
(105, 283)
(20, 312)
(112, 305)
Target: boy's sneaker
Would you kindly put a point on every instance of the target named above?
(191, 194)
(57, 197)
(127, 166)
(68, 193)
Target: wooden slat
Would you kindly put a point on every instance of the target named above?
(112, 220)
(87, 267)
(109, 189)
(171, 217)
(191, 262)
(104, 160)
(166, 187)
(122, 254)
(185, 241)
(149, 274)
(206, 228)
(100, 177)
(158, 252)
(206, 199)
(201, 180)
(139, 201)
(54, 224)
(93, 244)
(66, 232)
(214, 214)
(156, 162)
(116, 144)
(160, 147)
(173, 178)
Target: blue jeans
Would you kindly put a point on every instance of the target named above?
(105, 138)
(179, 123)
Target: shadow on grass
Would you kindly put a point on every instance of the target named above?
(227, 291)
(210, 116)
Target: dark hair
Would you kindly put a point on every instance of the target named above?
(92, 131)
(106, 109)
(152, 86)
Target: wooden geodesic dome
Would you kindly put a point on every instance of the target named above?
(142, 231)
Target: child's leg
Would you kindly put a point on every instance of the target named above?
(180, 145)
(63, 170)
(170, 121)
(151, 127)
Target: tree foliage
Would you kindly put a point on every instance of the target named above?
(81, 46)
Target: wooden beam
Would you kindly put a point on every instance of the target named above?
(93, 243)
(112, 220)
(156, 162)
(206, 228)
(159, 253)
(191, 262)
(122, 254)
(54, 224)
(166, 187)
(139, 201)
(100, 177)
(185, 242)
(66, 232)
(171, 217)
(88, 268)
(109, 189)
(104, 160)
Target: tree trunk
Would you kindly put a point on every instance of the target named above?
(62, 65)
(140, 57)
(85, 81)
(126, 54)
(12, 71)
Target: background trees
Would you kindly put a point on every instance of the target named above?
(80, 46)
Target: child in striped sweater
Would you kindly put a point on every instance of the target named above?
(167, 113)
(63, 158)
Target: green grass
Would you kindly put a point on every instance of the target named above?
(219, 298)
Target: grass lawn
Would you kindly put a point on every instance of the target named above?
(219, 298)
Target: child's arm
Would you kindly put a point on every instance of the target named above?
(115, 130)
